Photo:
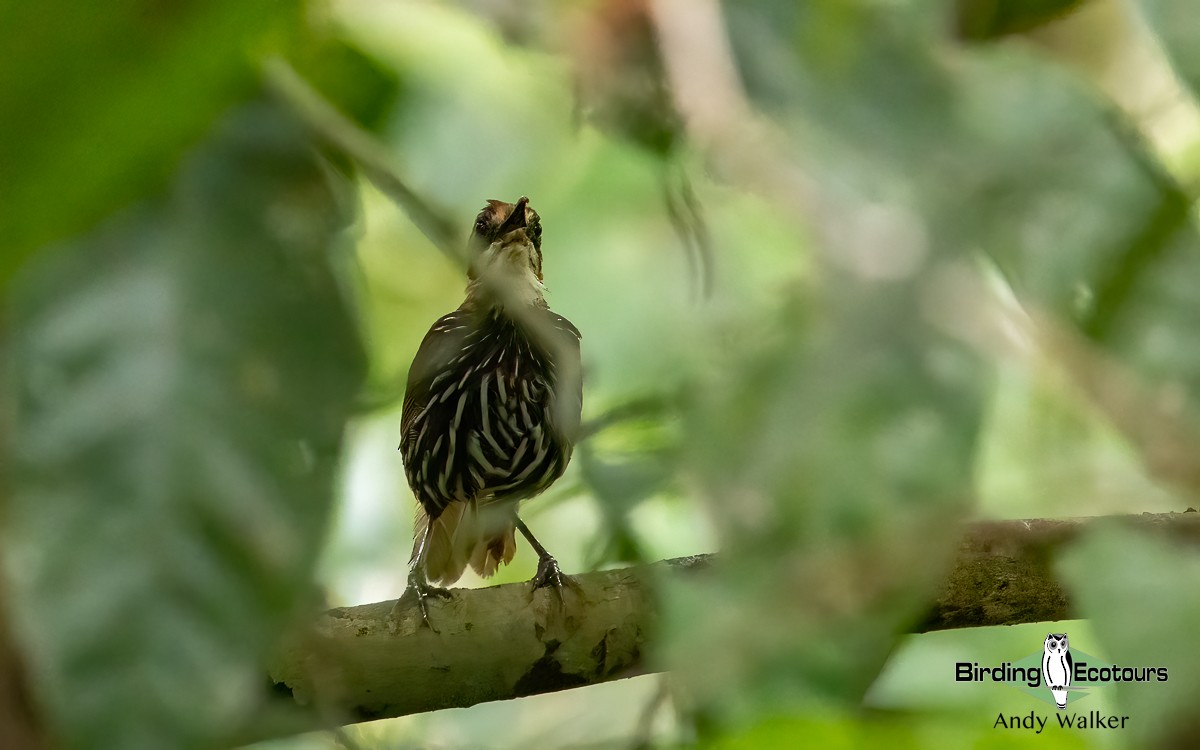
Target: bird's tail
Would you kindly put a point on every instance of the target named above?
(465, 534)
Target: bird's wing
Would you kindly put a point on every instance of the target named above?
(568, 387)
(441, 344)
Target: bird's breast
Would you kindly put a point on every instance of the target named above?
(487, 428)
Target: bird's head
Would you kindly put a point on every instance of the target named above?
(505, 252)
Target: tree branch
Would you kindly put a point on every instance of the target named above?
(340, 133)
(376, 660)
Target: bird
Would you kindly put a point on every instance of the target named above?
(491, 410)
(1057, 667)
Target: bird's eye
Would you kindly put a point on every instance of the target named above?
(537, 230)
(481, 225)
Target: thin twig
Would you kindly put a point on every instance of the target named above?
(341, 134)
(636, 409)
(687, 217)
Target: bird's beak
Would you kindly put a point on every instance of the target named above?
(515, 220)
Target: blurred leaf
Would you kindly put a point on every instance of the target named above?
(854, 81)
(620, 86)
(619, 484)
(348, 78)
(627, 454)
(1046, 178)
(849, 731)
(1141, 603)
(836, 466)
(1146, 307)
(1031, 167)
(184, 377)
(1089, 228)
(1034, 163)
(100, 100)
(1178, 27)
(836, 460)
(998, 151)
(1045, 204)
(978, 20)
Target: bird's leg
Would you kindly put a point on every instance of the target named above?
(548, 572)
(419, 584)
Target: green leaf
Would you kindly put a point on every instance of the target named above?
(1139, 594)
(348, 78)
(835, 465)
(979, 20)
(835, 457)
(1178, 27)
(1088, 227)
(1053, 174)
(99, 101)
(184, 375)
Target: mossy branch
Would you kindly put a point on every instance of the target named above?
(377, 660)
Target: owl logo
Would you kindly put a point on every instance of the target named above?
(1057, 667)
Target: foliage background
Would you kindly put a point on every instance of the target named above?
(849, 273)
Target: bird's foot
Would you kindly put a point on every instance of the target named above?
(550, 574)
(422, 590)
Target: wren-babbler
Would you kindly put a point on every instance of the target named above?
(491, 409)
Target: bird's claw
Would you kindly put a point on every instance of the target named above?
(550, 574)
(422, 590)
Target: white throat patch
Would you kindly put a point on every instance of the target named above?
(507, 272)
